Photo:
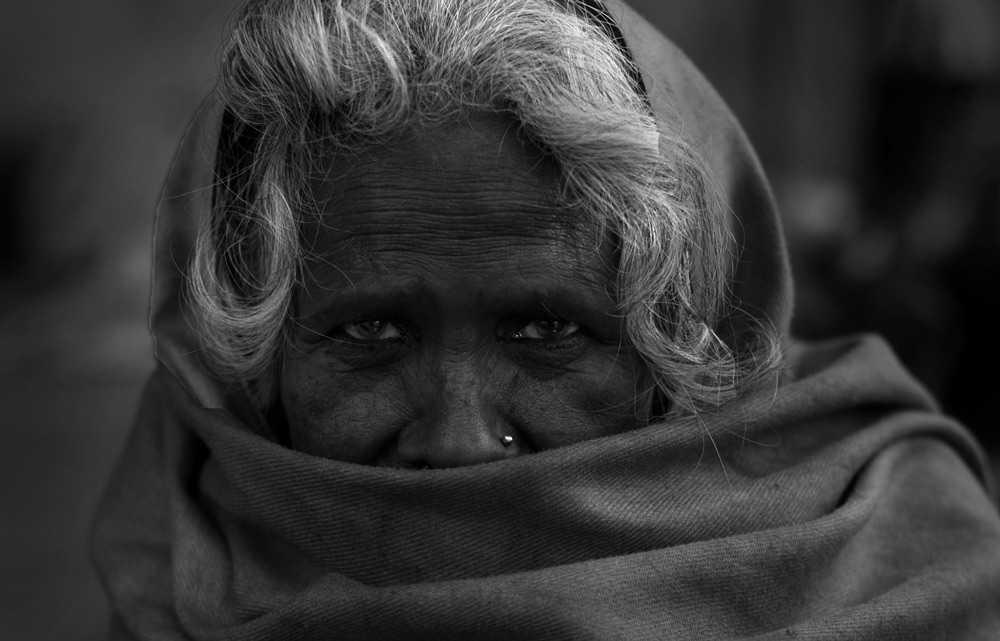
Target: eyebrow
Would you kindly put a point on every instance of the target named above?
(581, 302)
(333, 299)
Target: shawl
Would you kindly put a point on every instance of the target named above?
(837, 504)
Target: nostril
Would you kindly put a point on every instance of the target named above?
(457, 421)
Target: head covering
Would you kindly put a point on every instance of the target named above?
(837, 504)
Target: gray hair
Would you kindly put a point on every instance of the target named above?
(301, 75)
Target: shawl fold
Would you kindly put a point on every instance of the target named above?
(838, 504)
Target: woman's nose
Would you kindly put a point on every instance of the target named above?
(460, 421)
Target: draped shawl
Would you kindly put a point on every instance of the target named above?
(837, 504)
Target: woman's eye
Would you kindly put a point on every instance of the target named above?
(547, 330)
(372, 331)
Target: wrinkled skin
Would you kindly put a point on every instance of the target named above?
(451, 303)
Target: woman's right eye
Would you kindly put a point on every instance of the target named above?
(370, 331)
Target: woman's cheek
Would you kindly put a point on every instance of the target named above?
(347, 416)
(602, 396)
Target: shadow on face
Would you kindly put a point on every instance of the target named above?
(451, 304)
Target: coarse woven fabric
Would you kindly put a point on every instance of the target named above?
(838, 504)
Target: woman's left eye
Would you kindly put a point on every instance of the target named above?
(547, 329)
(376, 330)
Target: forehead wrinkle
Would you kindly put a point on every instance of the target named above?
(531, 260)
(430, 227)
(552, 240)
(475, 196)
(410, 203)
(409, 219)
(408, 187)
(467, 150)
(526, 259)
(468, 188)
(539, 244)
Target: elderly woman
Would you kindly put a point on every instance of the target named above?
(472, 318)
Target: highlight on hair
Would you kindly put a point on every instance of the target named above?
(302, 76)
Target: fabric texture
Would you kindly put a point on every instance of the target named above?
(837, 504)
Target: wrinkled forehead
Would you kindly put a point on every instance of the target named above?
(475, 176)
(470, 198)
(474, 152)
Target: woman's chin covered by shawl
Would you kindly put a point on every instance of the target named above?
(472, 321)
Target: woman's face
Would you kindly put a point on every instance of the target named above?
(450, 304)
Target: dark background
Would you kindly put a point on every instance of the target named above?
(877, 123)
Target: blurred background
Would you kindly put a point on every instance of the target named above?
(876, 121)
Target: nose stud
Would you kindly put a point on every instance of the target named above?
(506, 440)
